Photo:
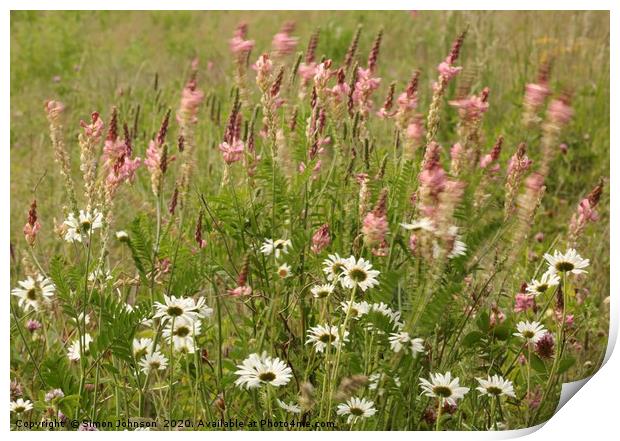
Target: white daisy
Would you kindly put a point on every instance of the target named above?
(569, 262)
(185, 346)
(33, 293)
(322, 291)
(276, 247)
(74, 351)
(89, 222)
(322, 335)
(356, 408)
(81, 319)
(20, 405)
(204, 311)
(424, 224)
(182, 307)
(257, 370)
(359, 274)
(443, 387)
(83, 225)
(290, 408)
(142, 346)
(380, 379)
(530, 331)
(100, 275)
(333, 267)
(386, 311)
(417, 346)
(122, 236)
(495, 386)
(355, 309)
(284, 270)
(398, 340)
(153, 362)
(546, 281)
(459, 248)
(72, 229)
(182, 336)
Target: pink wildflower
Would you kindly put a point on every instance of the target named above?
(32, 227)
(586, 211)
(374, 228)
(407, 102)
(320, 239)
(153, 156)
(524, 302)
(535, 94)
(33, 325)
(375, 225)
(307, 71)
(432, 181)
(473, 107)
(263, 68)
(54, 108)
(447, 71)
(198, 233)
(94, 129)
(242, 289)
(489, 161)
(415, 130)
(519, 162)
(560, 111)
(283, 43)
(239, 46)
(157, 159)
(545, 346)
(366, 84)
(191, 98)
(534, 398)
(340, 91)
(117, 158)
(232, 152)
(497, 316)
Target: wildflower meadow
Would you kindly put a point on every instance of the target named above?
(305, 220)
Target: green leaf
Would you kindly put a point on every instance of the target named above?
(537, 364)
(140, 245)
(565, 364)
(472, 338)
(483, 322)
(68, 404)
(502, 331)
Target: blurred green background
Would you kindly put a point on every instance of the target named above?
(94, 60)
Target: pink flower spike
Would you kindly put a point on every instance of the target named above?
(524, 302)
(240, 291)
(283, 43)
(95, 128)
(232, 152)
(320, 239)
(239, 46)
(447, 71)
(535, 94)
(560, 112)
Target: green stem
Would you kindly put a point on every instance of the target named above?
(170, 405)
